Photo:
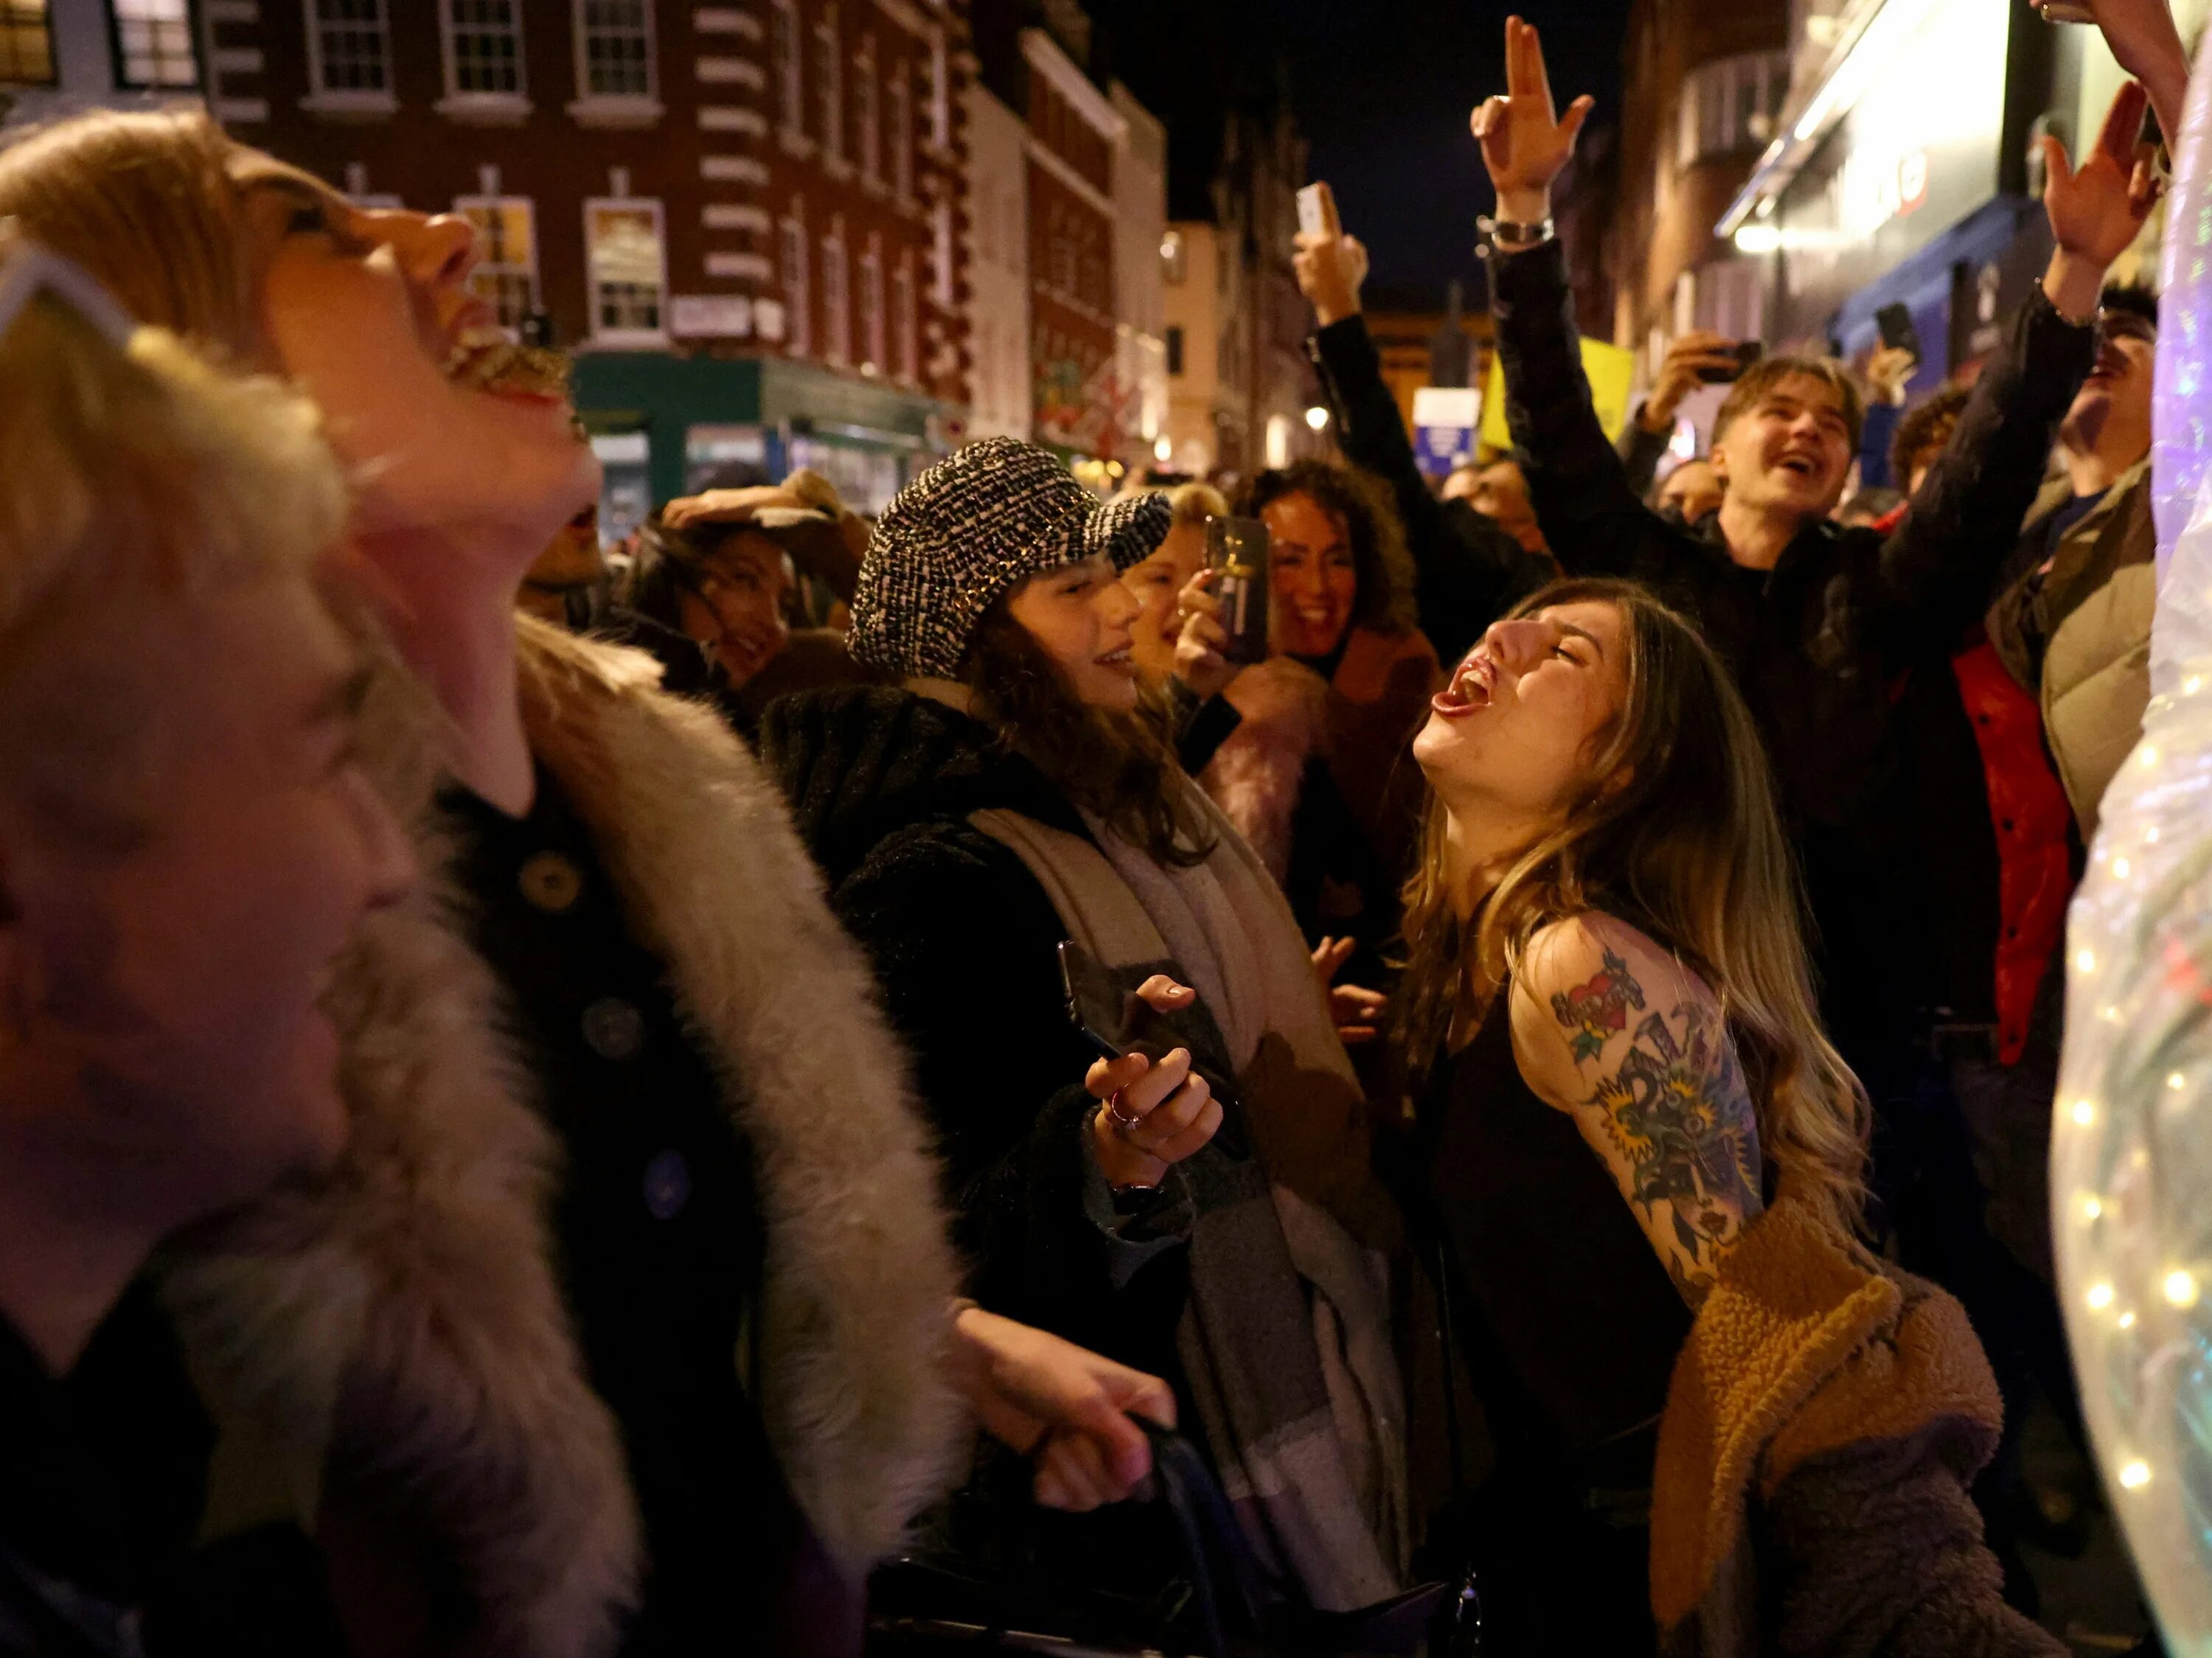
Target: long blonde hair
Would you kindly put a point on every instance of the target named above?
(144, 203)
(1687, 848)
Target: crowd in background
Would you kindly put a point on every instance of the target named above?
(555, 1104)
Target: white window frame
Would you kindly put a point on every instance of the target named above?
(867, 112)
(908, 320)
(626, 337)
(324, 98)
(874, 330)
(502, 105)
(900, 120)
(616, 108)
(940, 96)
(794, 257)
(116, 24)
(789, 72)
(940, 257)
(836, 294)
(463, 203)
(1708, 122)
(829, 86)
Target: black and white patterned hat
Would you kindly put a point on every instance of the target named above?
(970, 527)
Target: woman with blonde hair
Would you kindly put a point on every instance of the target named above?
(1640, 1158)
(187, 837)
(603, 1332)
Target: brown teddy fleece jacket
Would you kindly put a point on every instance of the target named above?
(1810, 1498)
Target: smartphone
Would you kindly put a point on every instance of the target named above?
(1237, 549)
(1745, 353)
(1115, 1021)
(1894, 323)
(1313, 217)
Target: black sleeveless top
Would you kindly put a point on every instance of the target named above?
(1567, 1326)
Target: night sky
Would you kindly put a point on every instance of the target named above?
(1383, 89)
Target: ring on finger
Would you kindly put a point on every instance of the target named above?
(1124, 1125)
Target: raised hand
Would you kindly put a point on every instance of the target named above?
(1525, 141)
(2097, 209)
(1681, 374)
(1330, 266)
(2143, 36)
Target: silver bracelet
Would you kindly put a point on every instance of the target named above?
(1514, 236)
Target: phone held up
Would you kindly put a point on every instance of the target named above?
(1313, 219)
(1895, 325)
(1236, 549)
(1745, 353)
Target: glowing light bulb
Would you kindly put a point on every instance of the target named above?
(2120, 868)
(2150, 836)
(2099, 1298)
(2193, 684)
(2181, 1288)
(2135, 1475)
(2084, 1112)
(2127, 1320)
(2084, 960)
(2091, 1209)
(2176, 1081)
(2148, 757)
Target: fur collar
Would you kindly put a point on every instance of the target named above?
(402, 1326)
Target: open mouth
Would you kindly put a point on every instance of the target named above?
(1119, 661)
(1803, 466)
(1470, 689)
(484, 359)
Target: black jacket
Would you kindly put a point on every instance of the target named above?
(1818, 643)
(965, 943)
(1467, 572)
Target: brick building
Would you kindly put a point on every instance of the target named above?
(1702, 87)
(744, 219)
(59, 57)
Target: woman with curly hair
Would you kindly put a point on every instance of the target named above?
(1313, 767)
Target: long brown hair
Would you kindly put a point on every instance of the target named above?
(1685, 846)
(1116, 767)
(144, 203)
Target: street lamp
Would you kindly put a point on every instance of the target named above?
(1317, 417)
(1162, 448)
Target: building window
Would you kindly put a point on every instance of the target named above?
(483, 48)
(940, 254)
(348, 47)
(872, 321)
(865, 136)
(1730, 103)
(829, 84)
(898, 115)
(153, 44)
(910, 328)
(787, 65)
(506, 275)
(836, 308)
(798, 280)
(1174, 348)
(625, 257)
(27, 43)
(1175, 259)
(615, 43)
(940, 97)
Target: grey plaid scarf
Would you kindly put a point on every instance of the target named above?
(1285, 1338)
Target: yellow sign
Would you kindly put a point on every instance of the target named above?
(1612, 372)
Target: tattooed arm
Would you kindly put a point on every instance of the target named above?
(1610, 1028)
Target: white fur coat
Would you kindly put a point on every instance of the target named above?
(402, 1324)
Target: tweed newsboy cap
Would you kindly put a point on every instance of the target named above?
(967, 529)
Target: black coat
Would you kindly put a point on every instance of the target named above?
(965, 944)
(1818, 643)
(1467, 572)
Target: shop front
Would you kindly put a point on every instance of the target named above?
(662, 424)
(1903, 176)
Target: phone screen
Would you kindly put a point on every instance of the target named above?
(1311, 219)
(1236, 548)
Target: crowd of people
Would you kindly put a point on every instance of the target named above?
(554, 1110)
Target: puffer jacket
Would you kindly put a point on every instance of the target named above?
(1825, 1421)
(2078, 636)
(1815, 643)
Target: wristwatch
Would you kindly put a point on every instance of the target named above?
(1515, 237)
